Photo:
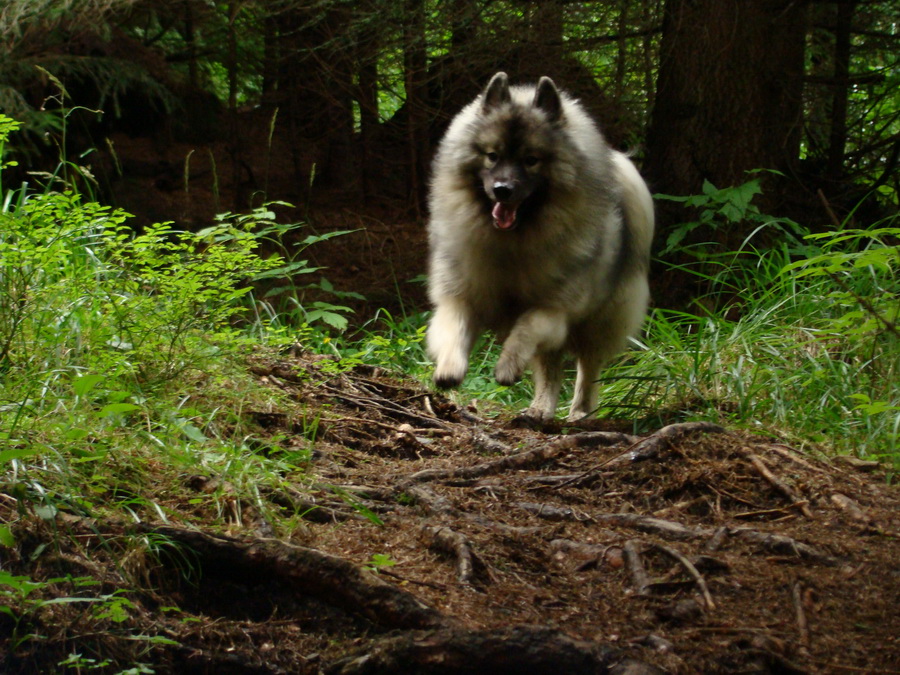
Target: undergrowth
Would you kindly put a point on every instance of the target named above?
(123, 372)
(124, 364)
(797, 339)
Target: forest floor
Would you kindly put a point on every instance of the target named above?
(435, 540)
(438, 539)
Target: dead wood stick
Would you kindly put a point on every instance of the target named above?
(457, 545)
(777, 483)
(783, 510)
(802, 624)
(522, 460)
(789, 453)
(550, 512)
(664, 528)
(692, 570)
(844, 503)
(635, 566)
(779, 543)
(331, 579)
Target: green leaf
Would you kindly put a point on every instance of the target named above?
(116, 409)
(86, 383)
(16, 453)
(6, 537)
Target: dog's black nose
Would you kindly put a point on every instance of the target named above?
(502, 192)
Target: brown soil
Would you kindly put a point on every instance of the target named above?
(431, 540)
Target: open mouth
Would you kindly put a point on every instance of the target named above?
(504, 214)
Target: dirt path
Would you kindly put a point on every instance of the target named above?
(433, 541)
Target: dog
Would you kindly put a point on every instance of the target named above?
(540, 232)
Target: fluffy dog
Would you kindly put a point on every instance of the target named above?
(540, 232)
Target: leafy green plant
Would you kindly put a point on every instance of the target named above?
(380, 561)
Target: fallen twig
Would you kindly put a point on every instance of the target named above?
(635, 566)
(779, 543)
(644, 448)
(550, 512)
(664, 528)
(802, 624)
(689, 566)
(778, 484)
(456, 544)
(650, 446)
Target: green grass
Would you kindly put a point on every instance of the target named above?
(124, 362)
(797, 341)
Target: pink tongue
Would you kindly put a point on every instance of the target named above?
(504, 215)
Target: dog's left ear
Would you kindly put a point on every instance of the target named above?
(546, 97)
(496, 93)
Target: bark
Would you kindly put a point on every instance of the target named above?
(838, 132)
(728, 96)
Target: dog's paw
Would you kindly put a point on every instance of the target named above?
(446, 381)
(450, 374)
(577, 415)
(509, 370)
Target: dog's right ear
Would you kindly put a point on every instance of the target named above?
(496, 93)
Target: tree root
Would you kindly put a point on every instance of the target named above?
(522, 460)
(457, 545)
(326, 577)
(692, 570)
(786, 490)
(519, 649)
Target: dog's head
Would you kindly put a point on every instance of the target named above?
(516, 146)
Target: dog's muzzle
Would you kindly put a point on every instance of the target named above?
(504, 211)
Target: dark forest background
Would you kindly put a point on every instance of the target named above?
(180, 109)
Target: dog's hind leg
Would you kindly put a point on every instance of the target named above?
(598, 340)
(584, 400)
(449, 340)
(536, 330)
(548, 374)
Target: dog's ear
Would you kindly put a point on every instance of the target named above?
(496, 93)
(546, 97)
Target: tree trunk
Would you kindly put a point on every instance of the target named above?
(728, 96)
(838, 131)
(415, 65)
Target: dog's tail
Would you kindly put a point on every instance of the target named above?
(637, 208)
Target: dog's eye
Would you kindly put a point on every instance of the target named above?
(492, 156)
(531, 160)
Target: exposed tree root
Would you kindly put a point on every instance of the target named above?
(517, 650)
(778, 484)
(312, 572)
(523, 460)
(457, 545)
(692, 570)
(651, 446)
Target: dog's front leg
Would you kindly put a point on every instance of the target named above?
(449, 340)
(547, 369)
(536, 330)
